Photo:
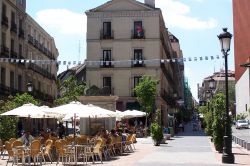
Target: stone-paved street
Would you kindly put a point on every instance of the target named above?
(190, 148)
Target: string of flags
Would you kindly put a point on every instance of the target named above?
(120, 62)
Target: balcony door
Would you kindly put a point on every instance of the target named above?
(3, 75)
(106, 29)
(136, 80)
(107, 82)
(12, 80)
(138, 30)
(138, 54)
(106, 55)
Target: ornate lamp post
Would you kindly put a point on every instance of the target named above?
(30, 87)
(227, 157)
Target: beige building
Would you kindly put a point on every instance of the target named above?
(22, 38)
(125, 40)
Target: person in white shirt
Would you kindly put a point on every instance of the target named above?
(27, 138)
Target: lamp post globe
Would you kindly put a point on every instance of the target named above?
(227, 157)
(29, 87)
(211, 83)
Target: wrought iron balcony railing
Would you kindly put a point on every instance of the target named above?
(5, 21)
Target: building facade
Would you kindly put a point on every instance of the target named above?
(125, 40)
(242, 55)
(214, 84)
(23, 39)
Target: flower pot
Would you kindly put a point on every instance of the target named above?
(157, 143)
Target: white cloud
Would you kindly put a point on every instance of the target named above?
(198, 0)
(176, 15)
(63, 20)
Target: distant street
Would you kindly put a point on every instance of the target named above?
(241, 133)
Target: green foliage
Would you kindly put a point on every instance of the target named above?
(8, 123)
(219, 120)
(146, 92)
(70, 89)
(241, 116)
(156, 128)
(206, 111)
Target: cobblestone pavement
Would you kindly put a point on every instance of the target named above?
(189, 148)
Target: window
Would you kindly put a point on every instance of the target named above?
(138, 54)
(12, 45)
(3, 76)
(3, 39)
(20, 50)
(4, 11)
(39, 86)
(138, 30)
(12, 80)
(106, 29)
(13, 17)
(19, 82)
(107, 82)
(20, 24)
(136, 80)
(106, 55)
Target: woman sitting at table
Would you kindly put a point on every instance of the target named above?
(44, 136)
(26, 138)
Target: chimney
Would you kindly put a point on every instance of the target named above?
(150, 3)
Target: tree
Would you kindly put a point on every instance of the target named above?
(208, 118)
(69, 90)
(219, 121)
(146, 93)
(156, 129)
(8, 124)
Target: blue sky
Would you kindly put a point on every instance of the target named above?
(196, 23)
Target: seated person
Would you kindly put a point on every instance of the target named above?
(165, 130)
(44, 136)
(26, 138)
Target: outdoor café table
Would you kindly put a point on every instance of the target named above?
(75, 148)
(25, 150)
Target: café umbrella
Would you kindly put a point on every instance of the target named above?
(132, 114)
(78, 110)
(27, 110)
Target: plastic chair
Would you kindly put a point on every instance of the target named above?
(47, 150)
(2, 149)
(35, 150)
(62, 152)
(97, 149)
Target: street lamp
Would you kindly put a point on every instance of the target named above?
(211, 83)
(29, 87)
(227, 157)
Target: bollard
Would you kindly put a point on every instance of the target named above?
(248, 146)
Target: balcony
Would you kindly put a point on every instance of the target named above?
(43, 96)
(13, 27)
(30, 39)
(107, 91)
(137, 63)
(13, 54)
(106, 36)
(168, 98)
(5, 90)
(4, 51)
(36, 43)
(21, 33)
(5, 21)
(106, 64)
(41, 71)
(138, 35)
(167, 74)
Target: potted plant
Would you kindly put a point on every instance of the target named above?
(156, 133)
(156, 129)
